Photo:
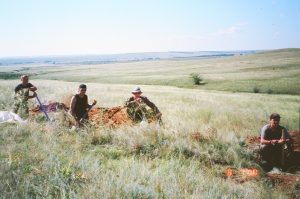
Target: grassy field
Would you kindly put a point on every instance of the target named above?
(48, 160)
(275, 72)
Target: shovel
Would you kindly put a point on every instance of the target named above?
(86, 113)
(42, 108)
(284, 147)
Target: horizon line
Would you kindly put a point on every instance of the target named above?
(141, 52)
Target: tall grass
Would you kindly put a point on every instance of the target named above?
(48, 160)
(39, 161)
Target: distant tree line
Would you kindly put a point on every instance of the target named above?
(6, 75)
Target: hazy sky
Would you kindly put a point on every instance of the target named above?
(63, 27)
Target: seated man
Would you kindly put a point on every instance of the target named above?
(79, 105)
(136, 106)
(273, 140)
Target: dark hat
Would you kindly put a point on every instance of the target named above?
(82, 86)
(274, 115)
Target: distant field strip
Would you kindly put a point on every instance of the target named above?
(276, 72)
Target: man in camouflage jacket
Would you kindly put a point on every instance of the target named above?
(22, 96)
(136, 107)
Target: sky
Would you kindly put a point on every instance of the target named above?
(80, 27)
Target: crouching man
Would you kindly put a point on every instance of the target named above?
(79, 105)
(274, 140)
(136, 107)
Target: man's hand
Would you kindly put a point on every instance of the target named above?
(158, 115)
(138, 100)
(131, 102)
(282, 141)
(94, 102)
(274, 142)
(33, 88)
(78, 123)
(34, 94)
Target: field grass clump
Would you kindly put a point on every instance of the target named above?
(101, 139)
(197, 79)
(256, 90)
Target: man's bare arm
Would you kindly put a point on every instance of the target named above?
(72, 106)
(33, 88)
(263, 141)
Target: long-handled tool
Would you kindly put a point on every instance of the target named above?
(86, 113)
(284, 147)
(42, 108)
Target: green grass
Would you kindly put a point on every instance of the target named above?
(276, 72)
(284, 85)
(8, 75)
(39, 162)
(48, 160)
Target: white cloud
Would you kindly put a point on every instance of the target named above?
(225, 39)
(231, 30)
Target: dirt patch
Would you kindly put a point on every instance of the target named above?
(95, 116)
(284, 179)
(98, 116)
(116, 116)
(113, 117)
(296, 139)
(288, 182)
(253, 142)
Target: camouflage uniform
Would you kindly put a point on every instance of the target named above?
(139, 112)
(21, 103)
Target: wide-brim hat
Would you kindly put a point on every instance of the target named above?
(136, 90)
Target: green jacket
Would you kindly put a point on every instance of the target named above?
(144, 100)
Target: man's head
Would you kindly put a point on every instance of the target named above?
(24, 79)
(82, 89)
(274, 120)
(137, 92)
